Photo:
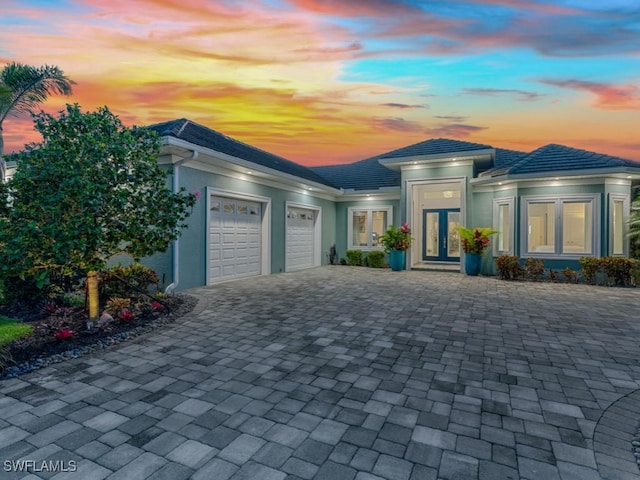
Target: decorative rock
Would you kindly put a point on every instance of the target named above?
(105, 319)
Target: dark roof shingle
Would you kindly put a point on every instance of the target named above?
(205, 137)
(367, 174)
(554, 158)
(435, 146)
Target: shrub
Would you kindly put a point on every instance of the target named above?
(127, 282)
(509, 267)
(570, 274)
(343, 261)
(618, 270)
(24, 291)
(553, 275)
(116, 306)
(375, 259)
(590, 268)
(534, 267)
(73, 299)
(355, 257)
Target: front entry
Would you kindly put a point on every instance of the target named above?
(440, 239)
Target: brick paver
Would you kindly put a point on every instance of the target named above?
(341, 373)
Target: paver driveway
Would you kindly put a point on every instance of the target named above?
(341, 373)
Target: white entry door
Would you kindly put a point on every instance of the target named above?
(301, 247)
(234, 239)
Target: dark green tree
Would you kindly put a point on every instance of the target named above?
(25, 87)
(92, 188)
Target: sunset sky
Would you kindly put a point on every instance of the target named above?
(332, 81)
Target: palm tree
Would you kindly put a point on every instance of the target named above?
(24, 87)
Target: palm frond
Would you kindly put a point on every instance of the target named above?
(24, 87)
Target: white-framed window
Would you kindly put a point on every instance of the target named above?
(561, 226)
(366, 225)
(618, 218)
(504, 222)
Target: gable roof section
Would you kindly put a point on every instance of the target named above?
(197, 134)
(555, 158)
(370, 174)
(434, 146)
(367, 174)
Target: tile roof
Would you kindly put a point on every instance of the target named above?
(554, 158)
(366, 174)
(370, 174)
(205, 137)
(506, 158)
(435, 146)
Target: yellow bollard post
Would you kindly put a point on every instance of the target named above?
(94, 307)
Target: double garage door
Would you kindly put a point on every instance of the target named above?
(235, 238)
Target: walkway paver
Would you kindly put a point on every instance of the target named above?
(343, 373)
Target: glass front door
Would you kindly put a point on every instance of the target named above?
(440, 239)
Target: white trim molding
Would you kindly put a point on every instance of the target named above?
(510, 202)
(369, 209)
(626, 205)
(415, 218)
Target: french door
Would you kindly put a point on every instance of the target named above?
(440, 239)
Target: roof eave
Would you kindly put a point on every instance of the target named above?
(243, 166)
(631, 173)
(395, 163)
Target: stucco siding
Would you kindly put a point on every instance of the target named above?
(193, 242)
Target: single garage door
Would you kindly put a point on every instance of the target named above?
(300, 238)
(234, 239)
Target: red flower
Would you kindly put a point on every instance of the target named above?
(127, 315)
(156, 305)
(64, 334)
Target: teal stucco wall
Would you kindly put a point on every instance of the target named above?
(342, 218)
(192, 243)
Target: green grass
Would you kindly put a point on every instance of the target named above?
(11, 330)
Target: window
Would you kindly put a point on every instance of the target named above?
(541, 227)
(503, 220)
(565, 226)
(366, 225)
(618, 217)
(577, 227)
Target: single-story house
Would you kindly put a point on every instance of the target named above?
(260, 214)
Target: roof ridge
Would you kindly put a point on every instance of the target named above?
(184, 124)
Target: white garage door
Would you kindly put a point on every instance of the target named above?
(300, 238)
(234, 239)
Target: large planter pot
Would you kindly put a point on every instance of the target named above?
(396, 260)
(472, 263)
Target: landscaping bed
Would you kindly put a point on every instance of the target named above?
(61, 334)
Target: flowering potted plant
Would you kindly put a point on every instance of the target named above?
(474, 243)
(396, 241)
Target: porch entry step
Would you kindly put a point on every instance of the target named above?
(437, 267)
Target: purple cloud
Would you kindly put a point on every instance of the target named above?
(522, 95)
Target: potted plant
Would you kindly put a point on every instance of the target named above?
(474, 243)
(396, 241)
